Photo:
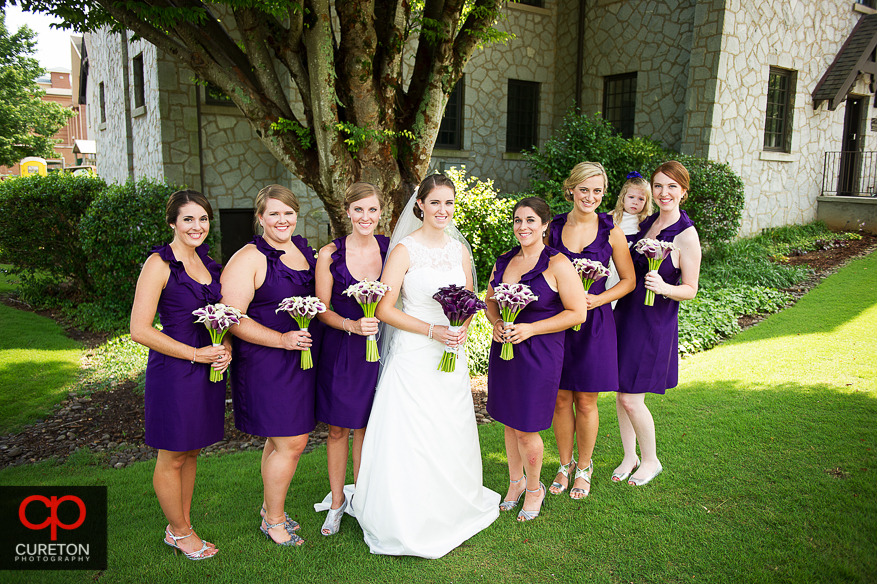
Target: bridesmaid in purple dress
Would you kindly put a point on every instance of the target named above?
(345, 380)
(654, 330)
(522, 391)
(184, 411)
(273, 396)
(590, 363)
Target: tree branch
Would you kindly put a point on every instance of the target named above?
(254, 31)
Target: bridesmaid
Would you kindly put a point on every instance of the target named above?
(589, 354)
(273, 396)
(654, 330)
(184, 411)
(522, 391)
(345, 380)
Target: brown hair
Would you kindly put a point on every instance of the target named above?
(180, 198)
(281, 193)
(428, 185)
(582, 172)
(678, 173)
(362, 190)
(538, 204)
(633, 183)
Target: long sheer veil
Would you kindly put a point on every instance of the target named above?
(407, 224)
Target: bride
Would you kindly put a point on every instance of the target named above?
(419, 491)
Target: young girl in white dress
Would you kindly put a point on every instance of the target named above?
(633, 206)
(419, 490)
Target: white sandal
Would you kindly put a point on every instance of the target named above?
(332, 524)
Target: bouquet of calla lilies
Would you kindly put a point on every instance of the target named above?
(589, 271)
(303, 309)
(368, 293)
(656, 252)
(218, 318)
(458, 304)
(512, 299)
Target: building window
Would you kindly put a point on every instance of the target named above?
(450, 133)
(778, 120)
(619, 102)
(537, 3)
(213, 95)
(868, 3)
(137, 66)
(523, 115)
(101, 97)
(237, 230)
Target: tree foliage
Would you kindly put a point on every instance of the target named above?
(351, 111)
(27, 123)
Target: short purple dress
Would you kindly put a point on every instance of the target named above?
(521, 392)
(590, 359)
(271, 393)
(345, 380)
(184, 410)
(648, 336)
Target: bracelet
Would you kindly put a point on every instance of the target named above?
(194, 354)
(496, 321)
(429, 336)
(344, 328)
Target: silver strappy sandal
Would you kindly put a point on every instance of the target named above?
(201, 554)
(563, 470)
(531, 515)
(294, 539)
(582, 473)
(509, 505)
(291, 526)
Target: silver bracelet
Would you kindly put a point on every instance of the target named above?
(429, 336)
(194, 354)
(344, 328)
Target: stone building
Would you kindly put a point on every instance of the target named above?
(767, 86)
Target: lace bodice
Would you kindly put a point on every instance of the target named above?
(429, 270)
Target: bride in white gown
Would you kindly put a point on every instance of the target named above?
(419, 490)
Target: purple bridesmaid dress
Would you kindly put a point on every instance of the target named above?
(521, 392)
(648, 336)
(345, 380)
(272, 395)
(590, 359)
(184, 410)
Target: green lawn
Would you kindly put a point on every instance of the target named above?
(769, 450)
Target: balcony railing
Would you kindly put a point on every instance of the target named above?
(850, 174)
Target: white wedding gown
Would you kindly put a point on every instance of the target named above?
(419, 490)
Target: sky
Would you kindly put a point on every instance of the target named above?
(53, 45)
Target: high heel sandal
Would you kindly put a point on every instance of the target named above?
(203, 541)
(642, 482)
(201, 554)
(619, 477)
(582, 473)
(332, 524)
(563, 470)
(294, 539)
(531, 515)
(291, 526)
(509, 505)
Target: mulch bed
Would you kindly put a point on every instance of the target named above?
(110, 423)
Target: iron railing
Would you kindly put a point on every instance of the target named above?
(850, 174)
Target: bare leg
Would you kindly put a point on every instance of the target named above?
(531, 450)
(516, 465)
(587, 425)
(358, 437)
(628, 438)
(174, 493)
(277, 472)
(564, 425)
(644, 427)
(266, 452)
(336, 453)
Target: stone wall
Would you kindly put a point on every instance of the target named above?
(105, 63)
(145, 121)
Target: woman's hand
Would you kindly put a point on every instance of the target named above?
(500, 331)
(593, 301)
(655, 283)
(296, 340)
(213, 356)
(223, 362)
(519, 332)
(364, 326)
(451, 339)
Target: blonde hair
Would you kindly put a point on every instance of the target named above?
(281, 193)
(636, 182)
(582, 172)
(362, 190)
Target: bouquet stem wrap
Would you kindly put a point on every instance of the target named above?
(656, 252)
(508, 349)
(307, 359)
(371, 341)
(449, 358)
(589, 271)
(654, 264)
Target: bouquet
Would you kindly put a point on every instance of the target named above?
(303, 309)
(218, 318)
(512, 299)
(368, 293)
(589, 271)
(458, 304)
(655, 251)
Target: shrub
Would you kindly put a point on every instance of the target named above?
(715, 199)
(39, 226)
(478, 341)
(484, 218)
(119, 228)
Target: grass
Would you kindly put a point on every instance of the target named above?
(38, 363)
(769, 449)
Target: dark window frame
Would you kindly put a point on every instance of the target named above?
(779, 110)
(450, 134)
(619, 102)
(138, 80)
(536, 3)
(214, 96)
(522, 115)
(102, 102)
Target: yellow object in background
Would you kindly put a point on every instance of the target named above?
(33, 165)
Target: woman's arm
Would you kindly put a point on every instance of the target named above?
(624, 266)
(152, 280)
(689, 263)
